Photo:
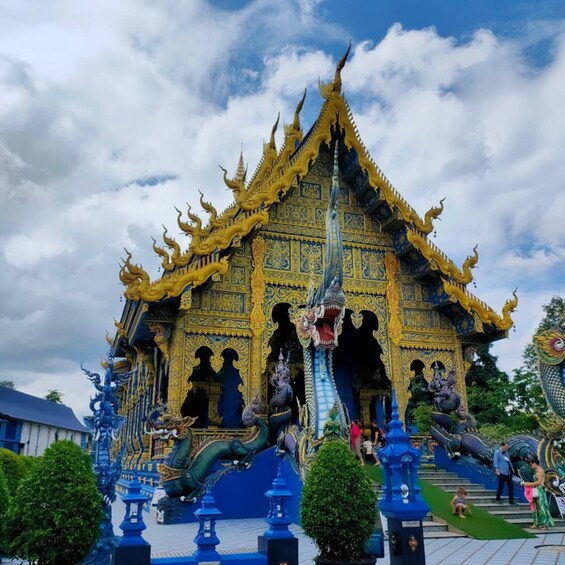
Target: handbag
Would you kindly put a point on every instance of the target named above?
(535, 492)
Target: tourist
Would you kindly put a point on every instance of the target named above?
(368, 447)
(356, 440)
(541, 517)
(376, 437)
(459, 502)
(504, 470)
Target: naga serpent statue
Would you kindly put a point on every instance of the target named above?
(550, 350)
(187, 467)
(456, 431)
(318, 326)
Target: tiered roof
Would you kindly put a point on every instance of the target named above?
(210, 245)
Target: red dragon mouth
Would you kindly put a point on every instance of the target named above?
(325, 324)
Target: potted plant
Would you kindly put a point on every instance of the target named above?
(338, 506)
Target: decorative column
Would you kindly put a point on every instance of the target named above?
(133, 548)
(104, 425)
(206, 538)
(395, 331)
(278, 543)
(257, 319)
(402, 503)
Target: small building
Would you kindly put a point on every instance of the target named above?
(29, 425)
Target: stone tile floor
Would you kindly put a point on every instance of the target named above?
(240, 535)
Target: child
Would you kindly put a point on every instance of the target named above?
(368, 447)
(459, 502)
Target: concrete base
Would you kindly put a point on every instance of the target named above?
(406, 542)
(279, 550)
(132, 555)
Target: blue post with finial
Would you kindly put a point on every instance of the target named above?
(133, 548)
(206, 538)
(105, 424)
(402, 503)
(278, 543)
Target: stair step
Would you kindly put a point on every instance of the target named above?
(490, 506)
(467, 486)
(430, 525)
(511, 515)
(488, 500)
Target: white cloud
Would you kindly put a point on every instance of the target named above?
(138, 90)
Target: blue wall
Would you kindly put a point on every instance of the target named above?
(468, 468)
(10, 435)
(241, 494)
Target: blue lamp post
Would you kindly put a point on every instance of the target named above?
(133, 548)
(206, 538)
(278, 543)
(278, 518)
(402, 502)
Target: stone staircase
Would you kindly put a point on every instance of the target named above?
(481, 497)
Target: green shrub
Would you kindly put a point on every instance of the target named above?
(338, 504)
(14, 468)
(55, 516)
(4, 503)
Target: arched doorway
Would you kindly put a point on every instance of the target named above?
(359, 372)
(214, 399)
(284, 339)
(420, 396)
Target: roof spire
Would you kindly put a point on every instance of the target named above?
(241, 169)
(340, 65)
(329, 89)
(272, 144)
(296, 123)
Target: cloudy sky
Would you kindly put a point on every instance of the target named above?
(113, 112)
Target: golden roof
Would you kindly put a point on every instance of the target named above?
(276, 173)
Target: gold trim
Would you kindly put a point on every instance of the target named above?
(394, 324)
(475, 306)
(139, 286)
(440, 261)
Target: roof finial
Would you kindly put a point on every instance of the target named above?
(340, 65)
(241, 171)
(296, 123)
(272, 143)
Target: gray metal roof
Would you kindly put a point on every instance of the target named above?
(20, 406)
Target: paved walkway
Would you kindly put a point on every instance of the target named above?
(238, 535)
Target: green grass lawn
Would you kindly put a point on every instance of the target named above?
(481, 525)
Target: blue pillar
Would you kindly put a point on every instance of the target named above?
(133, 548)
(206, 538)
(402, 502)
(278, 543)
(380, 412)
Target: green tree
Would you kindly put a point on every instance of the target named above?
(527, 392)
(14, 469)
(488, 389)
(56, 513)
(8, 384)
(54, 396)
(338, 504)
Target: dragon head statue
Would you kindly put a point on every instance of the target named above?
(321, 323)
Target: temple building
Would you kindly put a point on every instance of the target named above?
(204, 337)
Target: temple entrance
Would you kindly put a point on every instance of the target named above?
(420, 396)
(359, 372)
(284, 338)
(215, 399)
